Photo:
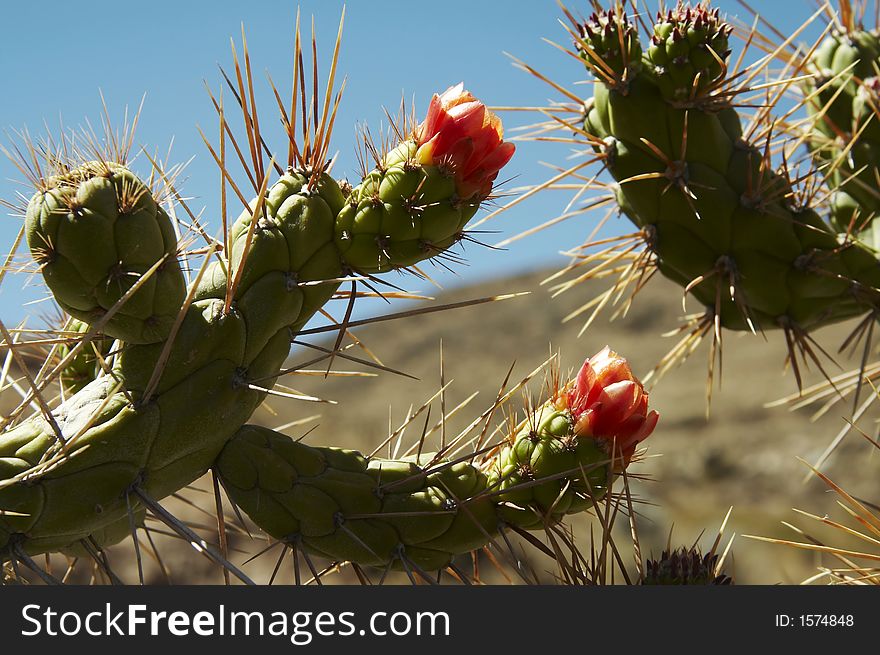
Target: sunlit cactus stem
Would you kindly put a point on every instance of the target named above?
(717, 213)
(420, 196)
(716, 208)
(420, 512)
(98, 234)
(88, 363)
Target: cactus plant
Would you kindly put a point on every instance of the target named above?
(841, 101)
(85, 365)
(717, 196)
(842, 93)
(189, 363)
(422, 510)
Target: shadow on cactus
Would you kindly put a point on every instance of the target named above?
(190, 338)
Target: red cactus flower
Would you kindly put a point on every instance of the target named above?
(462, 135)
(609, 403)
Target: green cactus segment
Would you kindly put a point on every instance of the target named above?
(220, 363)
(85, 365)
(548, 471)
(401, 213)
(687, 51)
(108, 535)
(715, 215)
(843, 99)
(341, 505)
(95, 231)
(85, 492)
(290, 253)
(378, 512)
(840, 65)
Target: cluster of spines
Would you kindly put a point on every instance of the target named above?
(688, 51)
(610, 42)
(685, 566)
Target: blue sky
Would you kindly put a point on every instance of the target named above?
(56, 56)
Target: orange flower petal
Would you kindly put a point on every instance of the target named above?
(455, 118)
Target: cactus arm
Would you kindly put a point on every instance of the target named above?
(401, 212)
(842, 99)
(716, 216)
(95, 231)
(287, 252)
(422, 511)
